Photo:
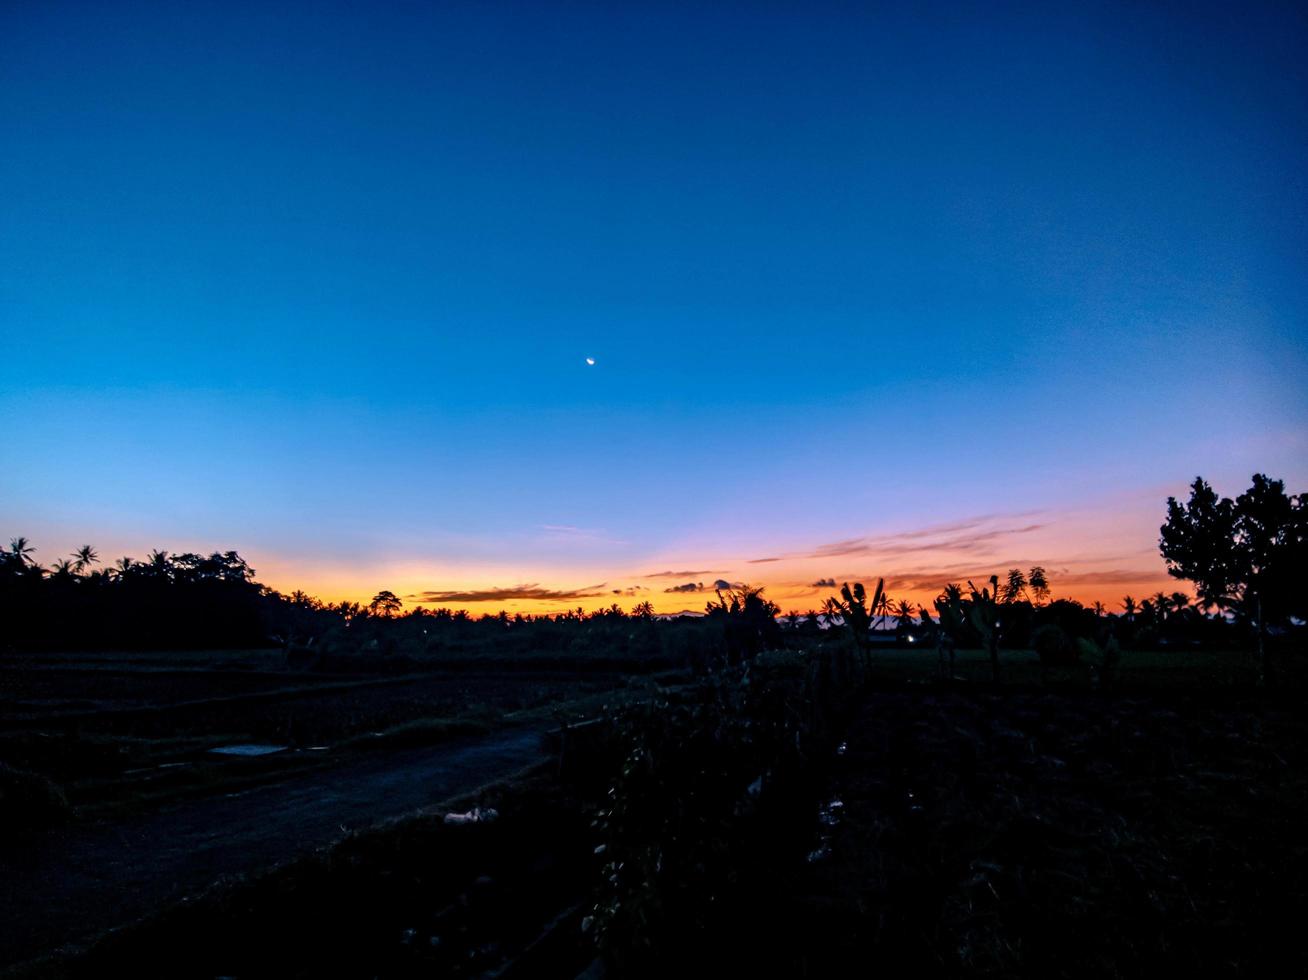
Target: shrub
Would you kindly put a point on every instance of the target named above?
(1055, 647)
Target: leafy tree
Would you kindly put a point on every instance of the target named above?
(1014, 587)
(385, 603)
(1248, 555)
(749, 621)
(1039, 583)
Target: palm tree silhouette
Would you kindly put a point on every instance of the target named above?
(157, 563)
(84, 557)
(1128, 604)
(21, 549)
(885, 606)
(904, 612)
(1163, 603)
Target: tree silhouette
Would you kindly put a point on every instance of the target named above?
(84, 557)
(904, 613)
(985, 617)
(1014, 587)
(22, 550)
(882, 604)
(1039, 583)
(853, 609)
(385, 603)
(1248, 555)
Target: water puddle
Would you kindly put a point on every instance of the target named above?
(248, 750)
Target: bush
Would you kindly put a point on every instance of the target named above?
(1054, 646)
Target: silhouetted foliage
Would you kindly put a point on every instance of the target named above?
(1248, 555)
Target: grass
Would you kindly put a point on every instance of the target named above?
(1039, 829)
(1169, 671)
(1033, 834)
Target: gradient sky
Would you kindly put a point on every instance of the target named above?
(870, 291)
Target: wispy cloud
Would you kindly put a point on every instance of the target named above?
(961, 537)
(762, 561)
(691, 574)
(570, 532)
(1115, 576)
(529, 590)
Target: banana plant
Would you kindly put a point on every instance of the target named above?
(856, 612)
(985, 617)
(953, 616)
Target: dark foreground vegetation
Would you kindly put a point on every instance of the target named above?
(1005, 785)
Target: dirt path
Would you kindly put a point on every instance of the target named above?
(86, 878)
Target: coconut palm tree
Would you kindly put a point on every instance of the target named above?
(1099, 609)
(157, 563)
(1129, 607)
(884, 605)
(22, 550)
(84, 557)
(904, 613)
(62, 569)
(1162, 604)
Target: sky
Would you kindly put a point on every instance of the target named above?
(913, 291)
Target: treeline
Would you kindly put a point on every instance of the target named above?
(186, 601)
(1248, 560)
(190, 601)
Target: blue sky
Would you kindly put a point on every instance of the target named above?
(318, 281)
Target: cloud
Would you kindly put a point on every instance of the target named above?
(719, 585)
(569, 532)
(707, 571)
(824, 583)
(762, 561)
(1113, 576)
(968, 540)
(630, 590)
(529, 590)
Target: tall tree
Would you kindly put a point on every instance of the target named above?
(1039, 583)
(385, 603)
(84, 557)
(1014, 587)
(1248, 555)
